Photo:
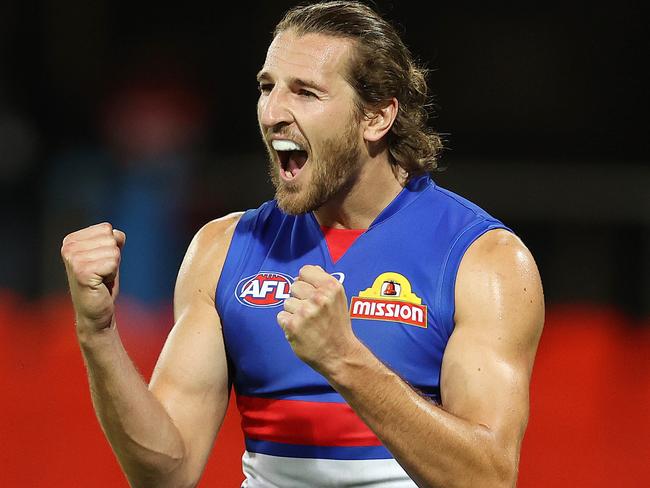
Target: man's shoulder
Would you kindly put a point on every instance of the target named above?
(216, 235)
(499, 244)
(453, 218)
(213, 239)
(453, 202)
(204, 258)
(500, 255)
(220, 228)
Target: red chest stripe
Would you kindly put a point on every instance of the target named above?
(305, 423)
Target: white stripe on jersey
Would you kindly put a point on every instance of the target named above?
(265, 471)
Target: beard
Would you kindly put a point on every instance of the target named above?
(332, 172)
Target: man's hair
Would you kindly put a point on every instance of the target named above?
(381, 68)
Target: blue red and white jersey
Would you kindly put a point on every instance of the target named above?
(399, 278)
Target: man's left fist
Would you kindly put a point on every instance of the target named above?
(316, 321)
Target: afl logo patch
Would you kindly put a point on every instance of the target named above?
(265, 289)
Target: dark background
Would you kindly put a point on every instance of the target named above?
(543, 106)
(143, 114)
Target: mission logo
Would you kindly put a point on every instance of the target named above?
(390, 299)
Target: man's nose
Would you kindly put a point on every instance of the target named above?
(273, 108)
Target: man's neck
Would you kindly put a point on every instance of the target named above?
(374, 187)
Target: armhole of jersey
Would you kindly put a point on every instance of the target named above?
(445, 295)
(235, 256)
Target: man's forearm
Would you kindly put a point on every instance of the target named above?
(147, 444)
(435, 447)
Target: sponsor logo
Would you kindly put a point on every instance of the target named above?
(265, 289)
(268, 288)
(390, 299)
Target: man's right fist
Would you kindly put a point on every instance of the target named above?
(92, 261)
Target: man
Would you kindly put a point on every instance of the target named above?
(379, 330)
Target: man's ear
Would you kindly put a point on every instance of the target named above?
(379, 121)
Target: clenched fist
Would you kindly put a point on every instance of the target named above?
(92, 261)
(316, 321)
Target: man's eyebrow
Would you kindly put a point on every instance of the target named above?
(307, 84)
(303, 83)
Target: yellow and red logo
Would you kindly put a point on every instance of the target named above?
(390, 298)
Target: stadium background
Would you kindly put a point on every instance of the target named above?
(144, 114)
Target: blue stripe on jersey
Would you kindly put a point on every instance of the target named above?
(316, 452)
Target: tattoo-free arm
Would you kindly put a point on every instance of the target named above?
(191, 377)
(474, 438)
(162, 435)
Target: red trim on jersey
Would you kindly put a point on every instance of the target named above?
(339, 240)
(302, 422)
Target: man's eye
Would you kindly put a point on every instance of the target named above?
(265, 87)
(306, 93)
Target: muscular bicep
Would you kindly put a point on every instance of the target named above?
(191, 376)
(191, 381)
(499, 315)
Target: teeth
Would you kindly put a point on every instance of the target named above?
(285, 145)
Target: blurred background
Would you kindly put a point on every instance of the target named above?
(143, 114)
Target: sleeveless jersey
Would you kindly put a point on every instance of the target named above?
(399, 278)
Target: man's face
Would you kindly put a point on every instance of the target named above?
(308, 120)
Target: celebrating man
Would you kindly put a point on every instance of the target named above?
(378, 329)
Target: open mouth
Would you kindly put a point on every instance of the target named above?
(292, 157)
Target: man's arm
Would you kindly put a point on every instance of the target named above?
(474, 438)
(161, 435)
